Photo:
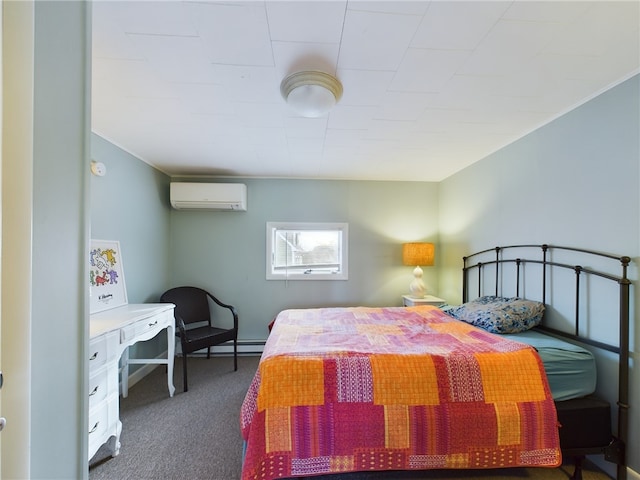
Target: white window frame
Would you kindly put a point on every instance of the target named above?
(296, 273)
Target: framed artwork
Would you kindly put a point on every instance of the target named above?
(106, 276)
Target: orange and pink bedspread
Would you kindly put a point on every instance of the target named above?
(355, 389)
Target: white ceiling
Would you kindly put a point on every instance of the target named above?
(193, 88)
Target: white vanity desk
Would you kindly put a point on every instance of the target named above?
(112, 332)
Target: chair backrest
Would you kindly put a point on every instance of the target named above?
(192, 303)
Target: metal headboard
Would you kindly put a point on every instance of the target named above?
(621, 349)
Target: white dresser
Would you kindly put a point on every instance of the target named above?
(112, 332)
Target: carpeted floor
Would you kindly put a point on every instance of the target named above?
(196, 435)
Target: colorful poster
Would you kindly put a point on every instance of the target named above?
(106, 276)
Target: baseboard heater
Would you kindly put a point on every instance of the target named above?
(245, 347)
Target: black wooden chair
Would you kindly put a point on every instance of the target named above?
(193, 314)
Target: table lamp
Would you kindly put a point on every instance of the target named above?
(418, 254)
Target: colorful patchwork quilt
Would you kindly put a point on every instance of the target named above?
(356, 389)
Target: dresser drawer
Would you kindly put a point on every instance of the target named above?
(103, 423)
(102, 349)
(146, 328)
(102, 383)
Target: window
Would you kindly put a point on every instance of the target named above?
(307, 251)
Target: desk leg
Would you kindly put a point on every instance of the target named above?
(125, 373)
(171, 346)
(116, 446)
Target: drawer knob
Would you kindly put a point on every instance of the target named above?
(95, 427)
(94, 356)
(94, 391)
(153, 324)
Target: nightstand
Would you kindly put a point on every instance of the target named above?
(409, 301)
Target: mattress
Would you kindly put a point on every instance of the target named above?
(570, 369)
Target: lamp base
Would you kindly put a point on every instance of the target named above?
(416, 287)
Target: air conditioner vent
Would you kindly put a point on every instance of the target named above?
(208, 196)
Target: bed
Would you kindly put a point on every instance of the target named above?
(578, 287)
(370, 389)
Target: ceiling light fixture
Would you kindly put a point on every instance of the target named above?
(311, 93)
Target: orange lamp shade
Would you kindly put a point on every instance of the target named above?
(418, 254)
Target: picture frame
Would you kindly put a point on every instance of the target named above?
(107, 288)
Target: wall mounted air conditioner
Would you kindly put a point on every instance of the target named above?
(208, 196)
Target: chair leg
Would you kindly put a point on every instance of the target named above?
(208, 353)
(184, 372)
(235, 355)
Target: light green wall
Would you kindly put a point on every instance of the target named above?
(573, 182)
(130, 204)
(225, 251)
(58, 403)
